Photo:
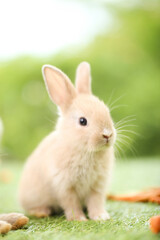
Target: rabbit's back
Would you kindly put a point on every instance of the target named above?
(35, 180)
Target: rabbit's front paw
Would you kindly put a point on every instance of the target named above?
(102, 216)
(40, 212)
(77, 217)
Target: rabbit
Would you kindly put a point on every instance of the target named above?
(71, 167)
(12, 221)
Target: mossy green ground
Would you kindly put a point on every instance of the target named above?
(128, 220)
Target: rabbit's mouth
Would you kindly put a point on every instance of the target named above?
(108, 142)
(107, 136)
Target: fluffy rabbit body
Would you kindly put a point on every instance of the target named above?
(71, 167)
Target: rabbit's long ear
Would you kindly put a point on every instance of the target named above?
(59, 86)
(83, 78)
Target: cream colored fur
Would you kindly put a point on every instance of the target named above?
(71, 167)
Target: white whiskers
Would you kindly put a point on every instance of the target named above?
(124, 135)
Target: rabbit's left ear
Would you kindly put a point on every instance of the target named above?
(59, 86)
(83, 78)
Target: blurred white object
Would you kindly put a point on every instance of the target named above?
(65, 23)
(1, 129)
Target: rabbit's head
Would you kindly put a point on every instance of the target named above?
(83, 117)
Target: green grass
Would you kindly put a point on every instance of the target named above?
(128, 220)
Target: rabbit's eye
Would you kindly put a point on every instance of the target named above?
(83, 121)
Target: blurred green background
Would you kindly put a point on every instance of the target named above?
(125, 64)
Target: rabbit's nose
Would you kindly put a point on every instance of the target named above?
(107, 137)
(107, 134)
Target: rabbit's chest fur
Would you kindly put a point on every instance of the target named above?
(83, 172)
(90, 174)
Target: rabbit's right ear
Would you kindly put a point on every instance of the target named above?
(83, 78)
(59, 86)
